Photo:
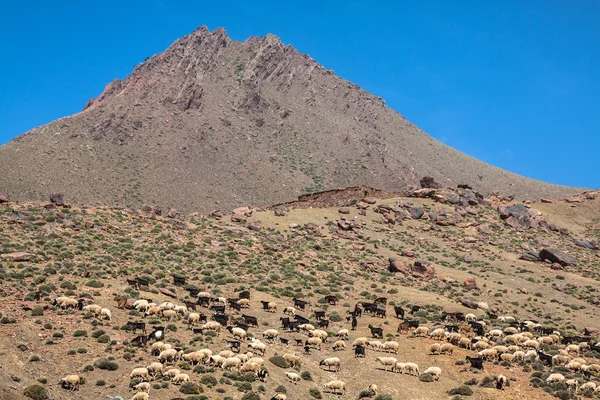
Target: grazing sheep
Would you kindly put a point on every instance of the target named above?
(180, 378)
(232, 363)
(594, 367)
(361, 341)
(519, 355)
(70, 382)
(501, 349)
(217, 361)
(435, 372)
(68, 302)
(271, 307)
(140, 396)
(331, 362)
(250, 367)
(168, 356)
(555, 378)
(259, 347)
(243, 357)
(195, 357)
(141, 373)
(391, 347)
(271, 334)
(508, 357)
(488, 354)
(167, 305)
(193, 318)
(572, 348)
(339, 345)
(470, 317)
(387, 361)
(374, 344)
(481, 345)
(511, 330)
(572, 384)
(169, 314)
(574, 366)
(412, 368)
(421, 331)
(447, 348)
(158, 347)
(438, 334)
(94, 308)
(454, 338)
(495, 334)
(513, 339)
(143, 386)
(172, 372)
(279, 396)
(343, 334)
(257, 360)
(589, 386)
(531, 344)
(372, 388)
(244, 303)
(399, 367)
(155, 368)
(141, 305)
(335, 387)
(293, 359)
(306, 327)
(227, 353)
(293, 377)
(435, 348)
(291, 311)
(465, 343)
(314, 342)
(501, 381)
(580, 360)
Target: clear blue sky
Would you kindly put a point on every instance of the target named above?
(514, 83)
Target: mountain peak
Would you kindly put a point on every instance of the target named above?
(212, 122)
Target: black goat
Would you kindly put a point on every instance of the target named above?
(331, 300)
(380, 313)
(545, 358)
(221, 318)
(319, 315)
(244, 295)
(218, 308)
(134, 326)
(399, 312)
(283, 341)
(204, 301)
(414, 309)
(262, 375)
(376, 332)
(140, 341)
(301, 304)
(233, 344)
(324, 323)
(251, 321)
(476, 362)
(359, 351)
(354, 323)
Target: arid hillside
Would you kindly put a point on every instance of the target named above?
(443, 266)
(212, 123)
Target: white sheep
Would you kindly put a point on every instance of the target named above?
(438, 334)
(314, 342)
(169, 314)
(250, 367)
(507, 357)
(172, 372)
(372, 388)
(574, 366)
(331, 362)
(335, 387)
(271, 334)
(155, 368)
(555, 378)
(531, 344)
(339, 345)
(141, 305)
(193, 318)
(387, 361)
(519, 355)
(465, 343)
(588, 386)
(168, 355)
(435, 372)
(495, 334)
(258, 347)
(279, 396)
(143, 386)
(244, 303)
(343, 334)
(217, 360)
(435, 348)
(292, 377)
(572, 348)
(374, 344)
(306, 327)
(194, 358)
(399, 367)
(391, 347)
(293, 359)
(470, 317)
(226, 353)
(291, 311)
(94, 308)
(360, 341)
(447, 348)
(411, 368)
(141, 373)
(421, 331)
(69, 303)
(70, 382)
(180, 378)
(488, 354)
(239, 333)
(572, 384)
(140, 396)
(232, 363)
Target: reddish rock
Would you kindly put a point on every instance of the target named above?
(244, 211)
(17, 256)
(592, 332)
(89, 224)
(238, 218)
(396, 265)
(3, 198)
(150, 211)
(57, 198)
(423, 269)
(428, 182)
(359, 246)
(344, 211)
(369, 200)
(556, 266)
(167, 292)
(408, 253)
(471, 283)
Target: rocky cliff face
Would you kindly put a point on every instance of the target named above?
(215, 123)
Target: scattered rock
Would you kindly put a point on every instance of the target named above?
(150, 211)
(3, 198)
(168, 293)
(468, 303)
(428, 182)
(246, 211)
(556, 266)
(343, 211)
(57, 198)
(557, 256)
(586, 244)
(408, 253)
(416, 212)
(281, 211)
(546, 201)
(471, 283)
(423, 269)
(18, 256)
(238, 218)
(396, 265)
(530, 256)
(592, 332)
(173, 213)
(369, 200)
(216, 214)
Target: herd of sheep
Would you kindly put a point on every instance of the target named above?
(511, 341)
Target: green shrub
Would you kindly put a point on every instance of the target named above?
(335, 317)
(190, 388)
(34, 358)
(279, 361)
(37, 311)
(463, 390)
(57, 335)
(68, 285)
(251, 396)
(208, 380)
(103, 339)
(100, 383)
(306, 376)
(105, 364)
(98, 333)
(80, 333)
(36, 392)
(280, 389)
(383, 397)
(314, 392)
(71, 352)
(245, 387)
(426, 378)
(94, 283)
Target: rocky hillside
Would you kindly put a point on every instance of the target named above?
(435, 257)
(214, 123)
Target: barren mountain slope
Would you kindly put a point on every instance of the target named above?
(215, 123)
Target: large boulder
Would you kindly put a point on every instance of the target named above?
(57, 198)
(428, 182)
(3, 198)
(586, 244)
(150, 211)
(471, 283)
(530, 256)
(557, 256)
(423, 269)
(173, 213)
(416, 212)
(518, 216)
(396, 265)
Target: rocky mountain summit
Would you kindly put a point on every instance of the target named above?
(215, 123)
